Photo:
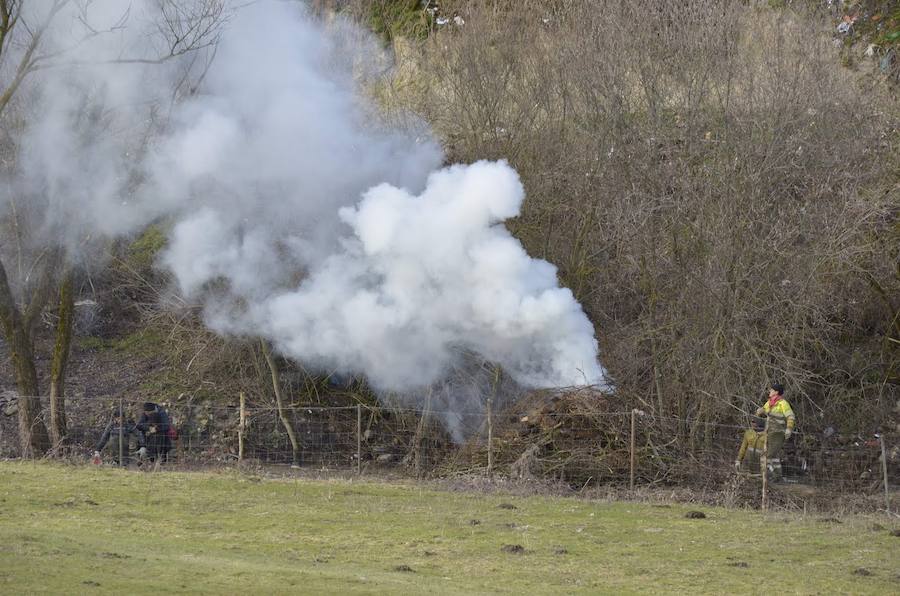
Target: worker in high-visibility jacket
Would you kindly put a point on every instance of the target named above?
(752, 446)
(780, 421)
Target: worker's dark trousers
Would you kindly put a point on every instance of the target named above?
(774, 444)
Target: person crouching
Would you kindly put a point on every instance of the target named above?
(155, 425)
(752, 447)
(131, 439)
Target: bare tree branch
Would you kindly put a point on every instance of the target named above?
(26, 63)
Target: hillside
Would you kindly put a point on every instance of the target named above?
(708, 190)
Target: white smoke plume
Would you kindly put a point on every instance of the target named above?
(298, 217)
(422, 277)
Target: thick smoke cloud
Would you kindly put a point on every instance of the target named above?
(422, 277)
(297, 216)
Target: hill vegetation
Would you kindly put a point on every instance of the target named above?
(716, 182)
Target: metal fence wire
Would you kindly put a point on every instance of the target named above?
(565, 444)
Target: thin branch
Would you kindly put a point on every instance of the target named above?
(42, 289)
(26, 64)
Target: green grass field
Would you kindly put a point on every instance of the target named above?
(69, 529)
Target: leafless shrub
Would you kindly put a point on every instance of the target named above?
(713, 186)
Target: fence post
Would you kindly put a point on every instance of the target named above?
(121, 434)
(241, 426)
(490, 438)
(632, 449)
(887, 496)
(358, 439)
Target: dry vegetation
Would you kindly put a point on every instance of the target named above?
(721, 194)
(718, 191)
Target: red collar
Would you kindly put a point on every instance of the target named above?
(774, 400)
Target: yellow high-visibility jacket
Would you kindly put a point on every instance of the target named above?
(754, 442)
(780, 414)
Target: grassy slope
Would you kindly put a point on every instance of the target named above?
(68, 529)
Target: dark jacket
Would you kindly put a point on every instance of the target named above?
(130, 429)
(155, 426)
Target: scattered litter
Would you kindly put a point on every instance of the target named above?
(457, 20)
(846, 25)
(9, 402)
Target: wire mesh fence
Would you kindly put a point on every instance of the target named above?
(569, 444)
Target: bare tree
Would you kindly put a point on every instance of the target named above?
(279, 402)
(184, 28)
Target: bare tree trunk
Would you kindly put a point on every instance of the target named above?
(650, 290)
(279, 403)
(418, 447)
(33, 437)
(17, 329)
(60, 359)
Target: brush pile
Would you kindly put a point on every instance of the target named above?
(575, 436)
